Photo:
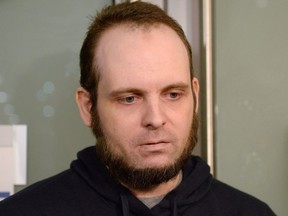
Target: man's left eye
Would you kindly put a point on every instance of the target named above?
(173, 95)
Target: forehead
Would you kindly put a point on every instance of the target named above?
(132, 51)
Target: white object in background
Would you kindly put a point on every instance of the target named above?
(7, 174)
(20, 150)
(16, 137)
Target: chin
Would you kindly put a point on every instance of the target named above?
(158, 164)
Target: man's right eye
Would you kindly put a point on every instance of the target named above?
(127, 100)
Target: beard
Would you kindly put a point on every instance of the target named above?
(140, 178)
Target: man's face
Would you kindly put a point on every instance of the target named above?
(145, 102)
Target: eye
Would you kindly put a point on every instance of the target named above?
(127, 100)
(173, 95)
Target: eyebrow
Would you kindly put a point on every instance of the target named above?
(120, 91)
(179, 85)
(117, 92)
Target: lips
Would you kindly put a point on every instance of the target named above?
(154, 142)
(155, 146)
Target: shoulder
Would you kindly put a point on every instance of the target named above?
(43, 194)
(61, 180)
(234, 200)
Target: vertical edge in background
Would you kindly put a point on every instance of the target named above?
(207, 7)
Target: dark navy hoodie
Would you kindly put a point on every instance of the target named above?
(86, 189)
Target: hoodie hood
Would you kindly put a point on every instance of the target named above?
(195, 185)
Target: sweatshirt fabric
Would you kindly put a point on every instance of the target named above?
(86, 189)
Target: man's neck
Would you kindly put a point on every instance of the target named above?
(159, 190)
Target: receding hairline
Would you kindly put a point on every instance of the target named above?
(131, 26)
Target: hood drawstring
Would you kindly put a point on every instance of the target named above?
(173, 206)
(125, 205)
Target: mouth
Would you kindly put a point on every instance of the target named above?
(154, 142)
(154, 146)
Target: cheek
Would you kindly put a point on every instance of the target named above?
(116, 124)
(118, 129)
(184, 122)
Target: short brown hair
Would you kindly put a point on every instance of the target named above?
(138, 13)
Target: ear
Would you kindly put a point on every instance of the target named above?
(84, 105)
(195, 86)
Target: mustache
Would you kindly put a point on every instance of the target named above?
(157, 136)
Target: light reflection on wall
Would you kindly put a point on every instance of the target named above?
(3, 97)
(48, 88)
(8, 109)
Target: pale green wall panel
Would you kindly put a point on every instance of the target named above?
(251, 76)
(40, 42)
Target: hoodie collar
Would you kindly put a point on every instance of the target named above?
(195, 184)
(90, 168)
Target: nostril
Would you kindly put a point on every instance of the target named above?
(153, 114)
(154, 125)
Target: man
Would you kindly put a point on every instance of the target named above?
(139, 96)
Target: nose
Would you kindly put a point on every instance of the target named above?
(153, 117)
